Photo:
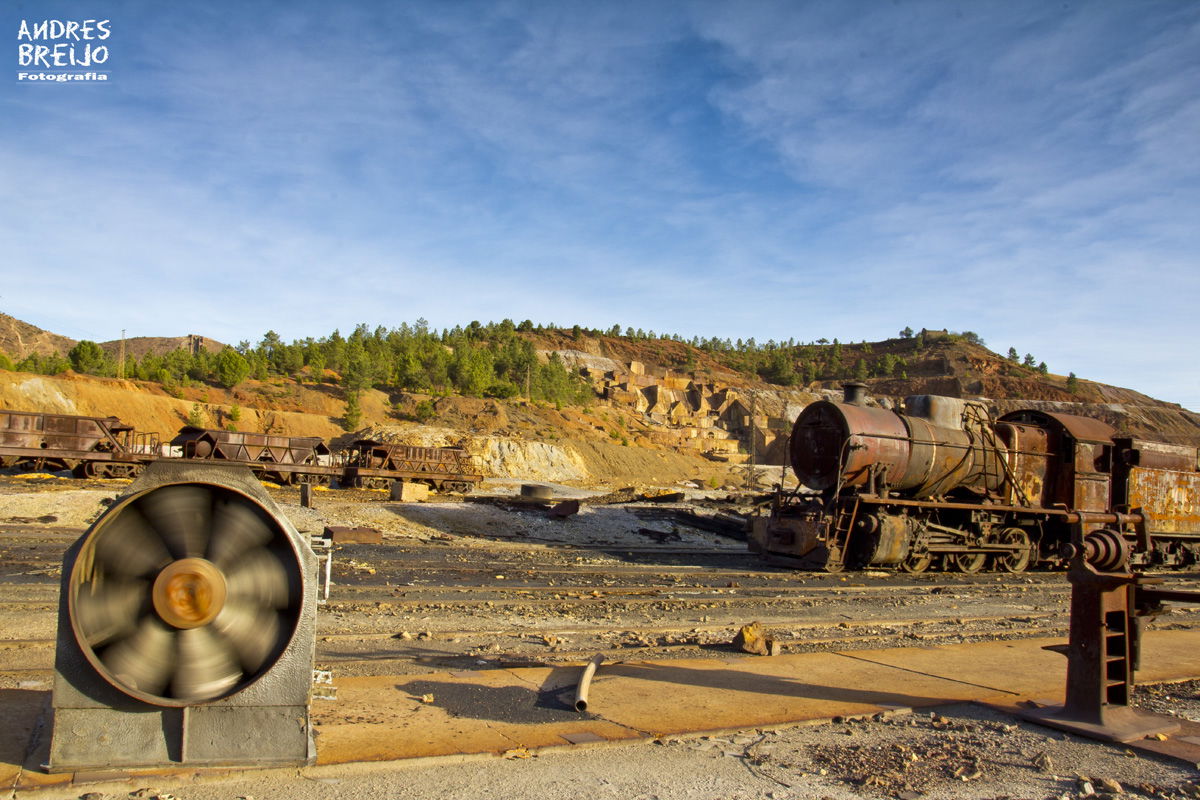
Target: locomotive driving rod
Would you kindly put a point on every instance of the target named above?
(1136, 517)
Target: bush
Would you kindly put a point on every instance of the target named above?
(196, 416)
(424, 411)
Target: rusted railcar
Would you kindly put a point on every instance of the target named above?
(281, 459)
(944, 483)
(371, 464)
(106, 447)
(1164, 481)
(88, 446)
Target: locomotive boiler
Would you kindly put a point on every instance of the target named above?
(945, 483)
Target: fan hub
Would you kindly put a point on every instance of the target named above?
(189, 593)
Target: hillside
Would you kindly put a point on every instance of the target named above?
(643, 408)
(141, 346)
(19, 339)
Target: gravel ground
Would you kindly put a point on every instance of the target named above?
(961, 751)
(478, 583)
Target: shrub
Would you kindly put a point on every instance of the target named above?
(424, 411)
(196, 416)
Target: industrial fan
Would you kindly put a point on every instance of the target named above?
(192, 596)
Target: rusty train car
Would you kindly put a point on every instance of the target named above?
(945, 484)
(106, 447)
(281, 459)
(370, 464)
(91, 447)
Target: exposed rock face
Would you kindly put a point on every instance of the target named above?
(503, 457)
(45, 394)
(498, 456)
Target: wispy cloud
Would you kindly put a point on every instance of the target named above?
(767, 169)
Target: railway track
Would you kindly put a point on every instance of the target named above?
(474, 602)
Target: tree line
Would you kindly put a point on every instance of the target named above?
(486, 360)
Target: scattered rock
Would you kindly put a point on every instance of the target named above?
(752, 639)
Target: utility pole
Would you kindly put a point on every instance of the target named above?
(121, 362)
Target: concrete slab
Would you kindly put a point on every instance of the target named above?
(508, 711)
(491, 711)
(986, 671)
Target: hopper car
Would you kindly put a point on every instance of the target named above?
(372, 464)
(105, 447)
(946, 484)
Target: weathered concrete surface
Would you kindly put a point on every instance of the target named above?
(510, 710)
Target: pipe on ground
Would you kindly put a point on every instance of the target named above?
(585, 682)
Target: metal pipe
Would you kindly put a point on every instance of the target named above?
(585, 682)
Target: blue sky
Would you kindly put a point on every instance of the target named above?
(1028, 171)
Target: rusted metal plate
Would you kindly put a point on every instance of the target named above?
(344, 535)
(1085, 429)
(1159, 455)
(1171, 497)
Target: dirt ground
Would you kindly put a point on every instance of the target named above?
(474, 585)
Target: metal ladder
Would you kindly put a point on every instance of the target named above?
(839, 537)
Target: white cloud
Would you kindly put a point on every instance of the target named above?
(766, 170)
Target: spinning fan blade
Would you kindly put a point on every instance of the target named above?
(258, 578)
(181, 515)
(236, 528)
(253, 632)
(106, 610)
(143, 661)
(207, 666)
(129, 547)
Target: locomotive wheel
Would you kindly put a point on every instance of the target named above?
(915, 564)
(968, 563)
(1016, 560)
(184, 594)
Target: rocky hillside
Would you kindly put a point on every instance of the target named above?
(661, 409)
(19, 339)
(140, 346)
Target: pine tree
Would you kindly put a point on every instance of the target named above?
(232, 368)
(353, 413)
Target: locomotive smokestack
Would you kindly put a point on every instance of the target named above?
(854, 393)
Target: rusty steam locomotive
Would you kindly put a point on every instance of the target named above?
(944, 483)
(105, 447)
